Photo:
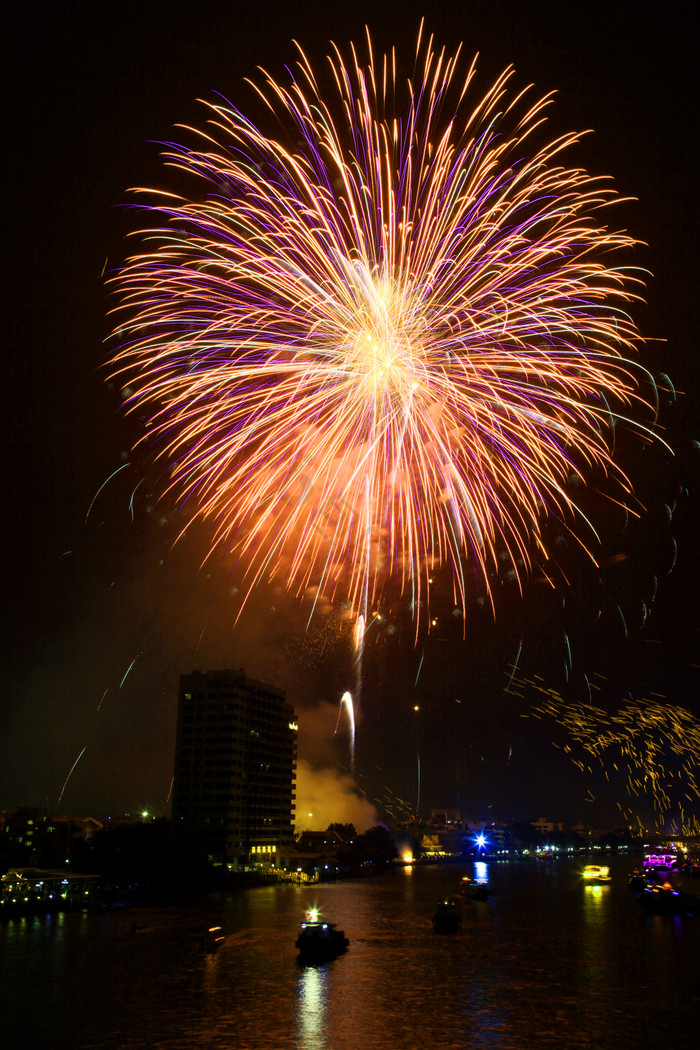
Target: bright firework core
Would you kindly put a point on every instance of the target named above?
(400, 344)
(383, 359)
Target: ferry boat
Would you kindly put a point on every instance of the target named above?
(596, 873)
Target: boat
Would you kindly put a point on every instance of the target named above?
(320, 941)
(595, 874)
(664, 900)
(660, 861)
(212, 939)
(637, 880)
(474, 891)
(447, 917)
(691, 867)
(481, 892)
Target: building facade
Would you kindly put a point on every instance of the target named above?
(235, 768)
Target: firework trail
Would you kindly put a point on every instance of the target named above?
(131, 501)
(422, 657)
(390, 336)
(347, 701)
(70, 773)
(359, 633)
(107, 480)
(128, 670)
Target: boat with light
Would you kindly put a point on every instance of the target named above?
(659, 860)
(212, 939)
(474, 891)
(665, 900)
(595, 874)
(448, 916)
(319, 941)
(637, 880)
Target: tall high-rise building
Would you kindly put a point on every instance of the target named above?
(235, 768)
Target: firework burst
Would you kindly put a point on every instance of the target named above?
(389, 332)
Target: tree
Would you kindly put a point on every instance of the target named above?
(347, 832)
(377, 847)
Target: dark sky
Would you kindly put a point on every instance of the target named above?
(93, 586)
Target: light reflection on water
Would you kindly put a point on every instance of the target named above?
(546, 962)
(481, 871)
(311, 1006)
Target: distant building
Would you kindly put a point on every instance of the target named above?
(547, 827)
(445, 818)
(26, 830)
(321, 842)
(235, 767)
(31, 834)
(317, 852)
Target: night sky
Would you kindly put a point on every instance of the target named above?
(103, 613)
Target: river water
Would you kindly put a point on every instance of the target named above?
(546, 962)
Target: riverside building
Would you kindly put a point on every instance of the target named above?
(235, 768)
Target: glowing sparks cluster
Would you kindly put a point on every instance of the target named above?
(384, 340)
(649, 745)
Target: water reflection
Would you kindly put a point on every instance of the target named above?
(594, 899)
(481, 871)
(211, 972)
(545, 954)
(312, 1001)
